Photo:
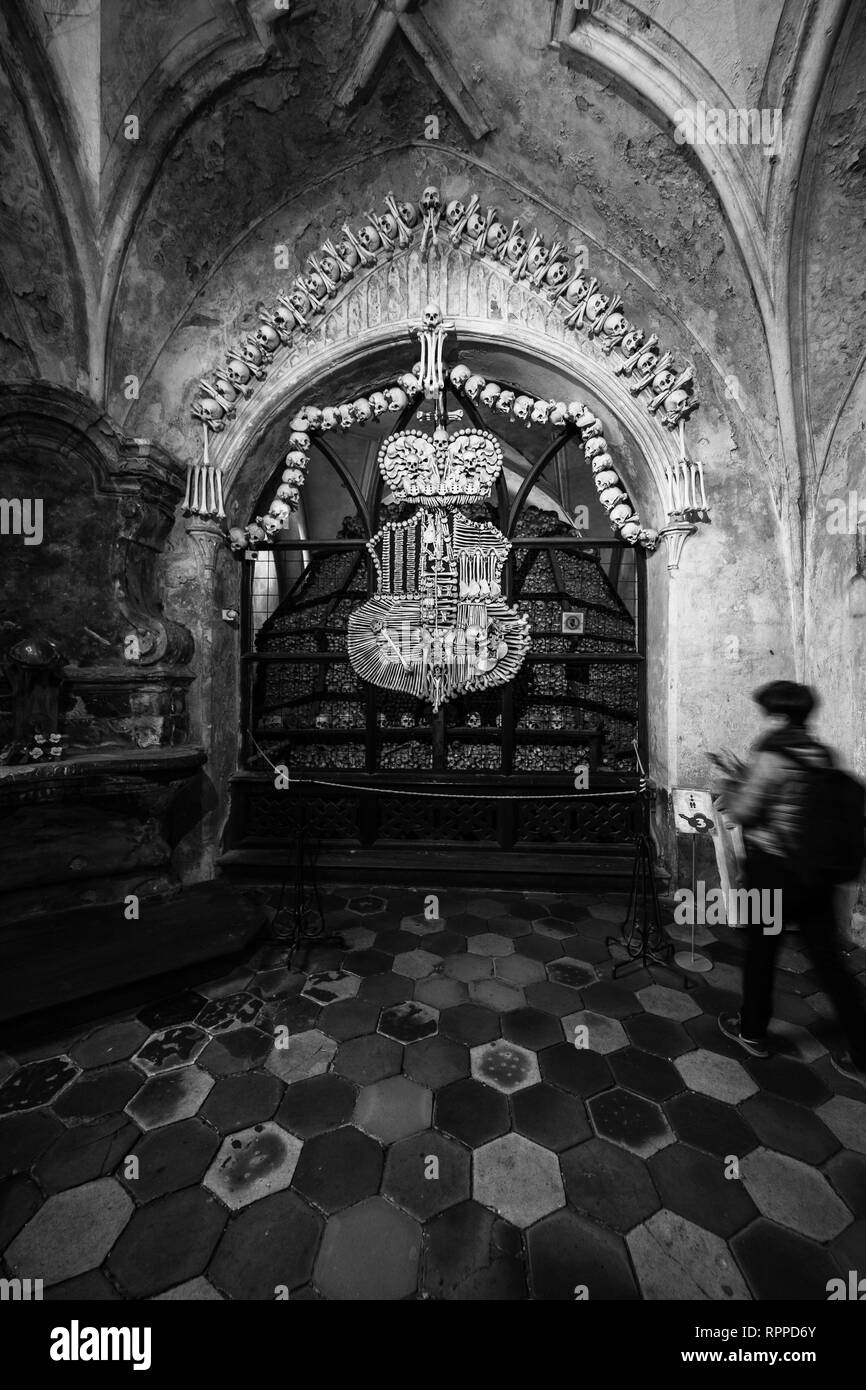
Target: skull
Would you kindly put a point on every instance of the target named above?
(505, 401)
(299, 441)
(347, 416)
(489, 394)
(251, 352)
(631, 532)
(474, 386)
(300, 300)
(605, 478)
(595, 306)
(267, 338)
(496, 234)
(610, 496)
(283, 318)
(388, 225)
(664, 381)
(315, 284)
(208, 409)
(647, 361)
(675, 401)
(615, 324)
(598, 445)
(330, 268)
(541, 412)
(536, 256)
(622, 512)
(409, 213)
(556, 274)
(558, 414)
(602, 461)
(330, 418)
(254, 532)
(458, 376)
(362, 410)
(516, 248)
(378, 404)
(411, 385)
(432, 317)
(579, 415)
(476, 224)
(280, 510)
(369, 238)
(453, 212)
(348, 254)
(271, 525)
(646, 535)
(431, 200)
(301, 421)
(632, 341)
(288, 493)
(294, 477)
(522, 407)
(239, 372)
(237, 538)
(295, 459)
(396, 399)
(577, 290)
(314, 418)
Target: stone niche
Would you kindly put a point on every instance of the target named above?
(99, 822)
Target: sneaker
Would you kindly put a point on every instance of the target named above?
(729, 1024)
(849, 1069)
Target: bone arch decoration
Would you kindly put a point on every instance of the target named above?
(548, 270)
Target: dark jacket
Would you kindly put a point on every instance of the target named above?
(769, 801)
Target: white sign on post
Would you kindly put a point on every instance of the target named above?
(693, 812)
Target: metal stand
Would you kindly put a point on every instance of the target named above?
(643, 937)
(693, 960)
(301, 922)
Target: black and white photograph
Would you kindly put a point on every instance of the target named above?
(432, 671)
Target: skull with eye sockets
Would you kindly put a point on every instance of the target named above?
(516, 248)
(362, 410)
(454, 211)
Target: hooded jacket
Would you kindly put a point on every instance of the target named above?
(769, 802)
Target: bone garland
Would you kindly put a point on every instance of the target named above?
(204, 493)
(432, 337)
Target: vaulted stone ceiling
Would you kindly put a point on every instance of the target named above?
(262, 123)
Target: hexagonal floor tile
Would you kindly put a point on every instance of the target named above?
(370, 1252)
(793, 1194)
(170, 1158)
(489, 944)
(393, 1109)
(847, 1119)
(415, 965)
(568, 1254)
(709, 1125)
(505, 1066)
(576, 974)
(368, 1059)
(695, 1186)
(518, 970)
(518, 1179)
(488, 907)
(789, 1128)
(173, 1095)
(114, 1042)
(469, 1023)
(419, 925)
(637, 1124)
(668, 1003)
(426, 1173)
(409, 1022)
(305, 1054)
(233, 1011)
(497, 996)
(531, 1028)
(467, 968)
(606, 1183)
(253, 1163)
(663, 1036)
(645, 1074)
(781, 1266)
(238, 1050)
(676, 1259)
(550, 1117)
(798, 1041)
(167, 1242)
(441, 993)
(349, 1018)
(357, 939)
(554, 927)
(436, 1062)
(472, 1112)
(339, 1168)
(71, 1233)
(36, 1083)
(601, 1034)
(575, 1069)
(172, 1048)
(712, 1075)
(269, 1245)
(316, 1105)
(331, 985)
(367, 905)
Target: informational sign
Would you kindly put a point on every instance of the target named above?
(572, 624)
(693, 812)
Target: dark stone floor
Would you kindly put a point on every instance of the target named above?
(463, 1107)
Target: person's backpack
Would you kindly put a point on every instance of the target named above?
(826, 843)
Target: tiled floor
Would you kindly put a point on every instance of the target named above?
(467, 1107)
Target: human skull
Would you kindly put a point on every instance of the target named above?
(489, 394)
(647, 361)
(496, 234)
(330, 268)
(295, 459)
(315, 284)
(409, 213)
(396, 399)
(476, 225)
(675, 401)
(610, 496)
(369, 238)
(378, 404)
(602, 461)
(598, 445)
(556, 274)
(347, 253)
(208, 409)
(522, 407)
(251, 352)
(255, 532)
(595, 306)
(579, 415)
(301, 421)
(458, 376)
(646, 535)
(576, 291)
(237, 538)
(432, 317)
(362, 410)
(271, 525)
(411, 385)
(346, 414)
(516, 248)
(663, 381)
(474, 386)
(267, 338)
(330, 418)
(558, 414)
(454, 211)
(314, 418)
(283, 318)
(632, 341)
(293, 476)
(605, 478)
(541, 412)
(300, 300)
(615, 324)
(388, 225)
(288, 493)
(631, 532)
(622, 512)
(238, 372)
(431, 199)
(299, 441)
(536, 256)
(505, 401)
